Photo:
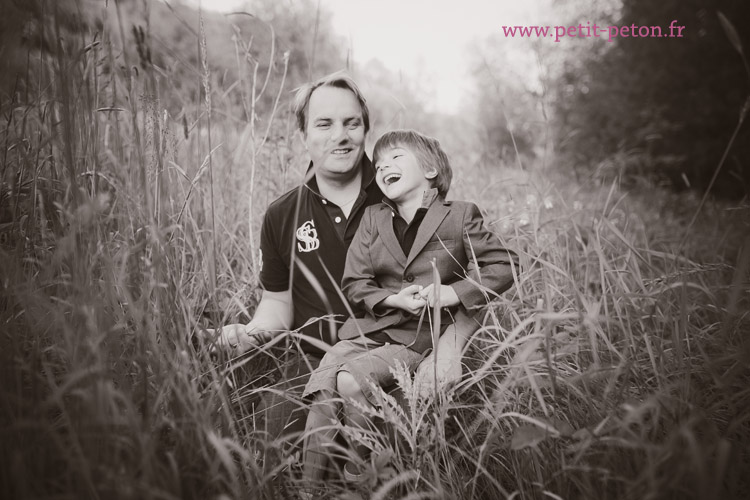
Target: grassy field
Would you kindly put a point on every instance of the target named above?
(618, 367)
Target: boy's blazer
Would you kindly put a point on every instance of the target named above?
(452, 233)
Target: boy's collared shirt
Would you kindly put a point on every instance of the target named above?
(304, 227)
(406, 232)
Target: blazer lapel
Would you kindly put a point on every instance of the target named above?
(384, 221)
(432, 220)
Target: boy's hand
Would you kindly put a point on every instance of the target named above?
(448, 297)
(407, 299)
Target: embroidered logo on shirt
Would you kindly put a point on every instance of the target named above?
(307, 237)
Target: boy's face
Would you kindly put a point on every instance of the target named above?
(400, 177)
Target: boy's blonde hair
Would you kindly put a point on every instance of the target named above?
(427, 150)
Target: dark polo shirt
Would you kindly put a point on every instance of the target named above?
(304, 228)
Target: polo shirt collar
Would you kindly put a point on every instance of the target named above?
(428, 198)
(368, 176)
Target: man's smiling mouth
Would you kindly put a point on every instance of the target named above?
(341, 151)
(391, 178)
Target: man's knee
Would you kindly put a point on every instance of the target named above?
(347, 385)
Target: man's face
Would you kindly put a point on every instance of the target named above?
(335, 135)
(400, 177)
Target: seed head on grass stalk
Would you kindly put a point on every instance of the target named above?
(207, 89)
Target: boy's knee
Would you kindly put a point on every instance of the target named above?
(347, 385)
(339, 349)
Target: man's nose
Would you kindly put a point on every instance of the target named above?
(339, 133)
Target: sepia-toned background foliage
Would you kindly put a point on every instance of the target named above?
(142, 141)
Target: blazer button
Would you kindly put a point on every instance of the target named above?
(409, 278)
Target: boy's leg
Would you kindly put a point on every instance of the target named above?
(351, 392)
(347, 371)
(445, 364)
(374, 368)
(322, 419)
(355, 380)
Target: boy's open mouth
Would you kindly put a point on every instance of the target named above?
(391, 178)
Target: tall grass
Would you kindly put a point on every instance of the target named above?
(616, 368)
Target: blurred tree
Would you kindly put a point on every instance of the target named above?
(394, 100)
(162, 41)
(665, 106)
(246, 45)
(397, 101)
(506, 101)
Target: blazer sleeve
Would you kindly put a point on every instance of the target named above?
(490, 265)
(359, 284)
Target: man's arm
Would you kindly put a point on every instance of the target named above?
(273, 314)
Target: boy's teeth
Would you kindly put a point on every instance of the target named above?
(391, 178)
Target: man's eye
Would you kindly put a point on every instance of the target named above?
(323, 125)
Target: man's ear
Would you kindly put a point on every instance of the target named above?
(431, 174)
(302, 136)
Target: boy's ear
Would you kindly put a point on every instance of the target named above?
(431, 174)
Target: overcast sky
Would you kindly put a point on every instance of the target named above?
(423, 39)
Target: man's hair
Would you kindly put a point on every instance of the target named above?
(339, 80)
(427, 150)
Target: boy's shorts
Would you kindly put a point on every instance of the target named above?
(368, 361)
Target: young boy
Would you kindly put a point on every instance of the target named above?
(388, 279)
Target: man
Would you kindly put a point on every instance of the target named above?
(306, 234)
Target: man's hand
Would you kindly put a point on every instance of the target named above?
(448, 297)
(273, 314)
(233, 339)
(407, 299)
